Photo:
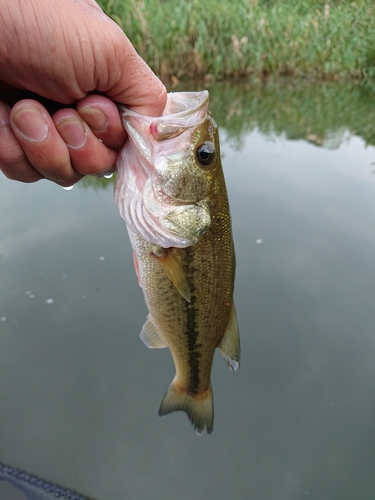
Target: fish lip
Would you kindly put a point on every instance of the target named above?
(203, 97)
(147, 131)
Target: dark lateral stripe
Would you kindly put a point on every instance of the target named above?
(193, 346)
(191, 329)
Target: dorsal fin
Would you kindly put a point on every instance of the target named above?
(175, 272)
(230, 344)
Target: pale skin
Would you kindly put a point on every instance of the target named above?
(70, 52)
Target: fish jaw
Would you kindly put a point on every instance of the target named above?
(152, 190)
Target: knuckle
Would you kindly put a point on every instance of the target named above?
(11, 155)
(101, 165)
(15, 165)
(22, 173)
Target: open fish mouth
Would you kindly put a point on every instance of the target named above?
(148, 209)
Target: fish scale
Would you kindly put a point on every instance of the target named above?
(171, 191)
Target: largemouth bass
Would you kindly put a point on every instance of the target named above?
(170, 189)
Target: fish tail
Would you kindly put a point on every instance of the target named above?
(198, 407)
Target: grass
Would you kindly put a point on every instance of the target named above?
(261, 39)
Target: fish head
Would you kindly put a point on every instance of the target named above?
(167, 171)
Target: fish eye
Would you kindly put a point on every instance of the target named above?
(205, 153)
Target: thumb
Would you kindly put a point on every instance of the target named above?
(132, 82)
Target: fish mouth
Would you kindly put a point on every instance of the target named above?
(146, 208)
(183, 111)
(182, 104)
(179, 106)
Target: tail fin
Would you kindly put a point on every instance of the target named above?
(199, 407)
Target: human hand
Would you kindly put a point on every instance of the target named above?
(69, 52)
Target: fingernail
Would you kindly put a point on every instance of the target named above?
(4, 114)
(95, 118)
(30, 123)
(73, 132)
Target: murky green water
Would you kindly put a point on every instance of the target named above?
(79, 392)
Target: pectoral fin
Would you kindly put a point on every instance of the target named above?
(136, 267)
(175, 273)
(230, 344)
(151, 336)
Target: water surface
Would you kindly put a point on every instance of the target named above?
(79, 392)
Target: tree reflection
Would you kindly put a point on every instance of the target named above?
(323, 113)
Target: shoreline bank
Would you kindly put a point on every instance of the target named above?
(258, 40)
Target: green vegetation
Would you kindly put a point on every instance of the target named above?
(311, 111)
(298, 109)
(261, 39)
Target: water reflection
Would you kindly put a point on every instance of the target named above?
(313, 111)
(325, 114)
(78, 390)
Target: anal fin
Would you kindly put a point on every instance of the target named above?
(151, 336)
(230, 344)
(175, 273)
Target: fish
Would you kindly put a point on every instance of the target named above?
(170, 190)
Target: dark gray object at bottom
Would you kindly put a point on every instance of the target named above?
(16, 484)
